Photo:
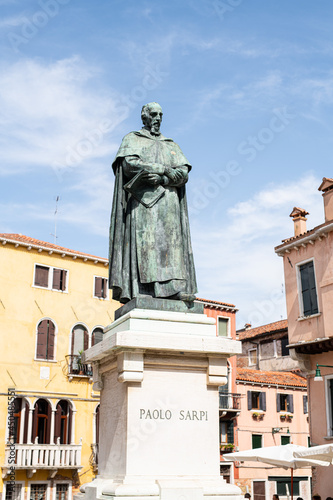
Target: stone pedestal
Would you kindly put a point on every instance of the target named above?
(159, 372)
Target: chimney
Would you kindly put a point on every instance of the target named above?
(298, 215)
(327, 187)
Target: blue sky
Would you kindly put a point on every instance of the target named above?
(246, 89)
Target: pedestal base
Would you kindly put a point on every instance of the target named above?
(159, 373)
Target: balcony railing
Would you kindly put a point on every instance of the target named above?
(37, 456)
(76, 367)
(230, 401)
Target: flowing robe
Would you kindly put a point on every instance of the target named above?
(150, 248)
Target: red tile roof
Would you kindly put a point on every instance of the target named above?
(215, 302)
(265, 377)
(261, 330)
(27, 241)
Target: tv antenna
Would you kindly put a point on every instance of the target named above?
(55, 220)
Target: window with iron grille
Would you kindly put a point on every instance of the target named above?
(62, 491)
(13, 492)
(38, 491)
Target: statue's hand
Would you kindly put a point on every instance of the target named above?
(174, 174)
(153, 179)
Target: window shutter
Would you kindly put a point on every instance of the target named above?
(262, 401)
(50, 343)
(249, 400)
(309, 293)
(69, 424)
(57, 423)
(34, 422)
(98, 287)
(105, 286)
(42, 339)
(48, 424)
(63, 279)
(86, 340)
(56, 279)
(42, 276)
(290, 403)
(305, 404)
(26, 421)
(278, 403)
(230, 432)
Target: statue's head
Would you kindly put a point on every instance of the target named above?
(151, 115)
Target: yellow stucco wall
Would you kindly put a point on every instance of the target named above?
(22, 307)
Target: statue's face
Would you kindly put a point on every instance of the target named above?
(155, 118)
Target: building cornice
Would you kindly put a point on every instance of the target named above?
(303, 240)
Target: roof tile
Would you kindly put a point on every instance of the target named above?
(267, 377)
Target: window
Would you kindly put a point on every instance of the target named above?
(305, 404)
(97, 336)
(252, 356)
(45, 340)
(329, 404)
(18, 432)
(222, 326)
(285, 402)
(282, 483)
(256, 400)
(38, 491)
(80, 342)
(309, 303)
(285, 440)
(41, 422)
(101, 287)
(256, 441)
(227, 431)
(62, 491)
(63, 421)
(284, 348)
(52, 278)
(13, 491)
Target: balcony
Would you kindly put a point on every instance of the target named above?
(32, 457)
(230, 404)
(75, 368)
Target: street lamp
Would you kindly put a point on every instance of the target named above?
(318, 377)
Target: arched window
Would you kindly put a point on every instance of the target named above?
(63, 422)
(18, 428)
(97, 336)
(45, 339)
(41, 422)
(80, 342)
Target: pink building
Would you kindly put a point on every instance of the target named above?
(308, 267)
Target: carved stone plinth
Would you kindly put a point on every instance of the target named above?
(159, 373)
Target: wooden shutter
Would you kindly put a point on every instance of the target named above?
(262, 401)
(63, 279)
(34, 422)
(290, 403)
(249, 400)
(98, 287)
(309, 293)
(69, 424)
(50, 340)
(230, 432)
(278, 403)
(42, 331)
(305, 404)
(104, 287)
(48, 424)
(57, 423)
(85, 340)
(42, 276)
(97, 336)
(26, 422)
(56, 285)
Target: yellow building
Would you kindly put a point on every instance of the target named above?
(54, 303)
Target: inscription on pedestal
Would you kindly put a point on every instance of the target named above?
(158, 414)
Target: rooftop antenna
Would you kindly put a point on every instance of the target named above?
(55, 220)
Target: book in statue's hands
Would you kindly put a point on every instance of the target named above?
(142, 191)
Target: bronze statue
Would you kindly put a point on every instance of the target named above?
(150, 246)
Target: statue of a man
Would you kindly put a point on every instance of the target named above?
(150, 246)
